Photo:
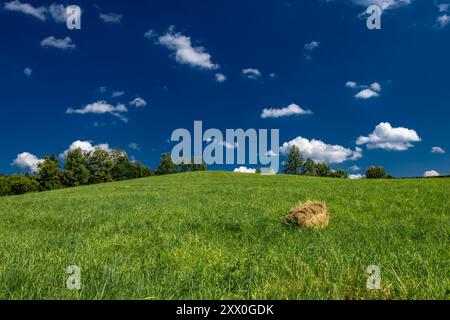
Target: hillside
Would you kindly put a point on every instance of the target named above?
(217, 235)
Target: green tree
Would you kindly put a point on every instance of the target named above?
(309, 168)
(294, 161)
(49, 175)
(166, 165)
(75, 169)
(100, 164)
(340, 173)
(375, 172)
(322, 169)
(5, 186)
(21, 184)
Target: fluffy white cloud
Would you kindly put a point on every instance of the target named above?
(138, 102)
(355, 168)
(63, 44)
(26, 8)
(151, 34)
(356, 176)
(111, 17)
(86, 147)
(431, 173)
(220, 77)
(443, 7)
(375, 87)
(388, 138)
(443, 20)
(28, 161)
(117, 94)
(185, 52)
(290, 110)
(244, 170)
(319, 151)
(101, 107)
(351, 84)
(366, 94)
(437, 150)
(252, 73)
(309, 48)
(28, 71)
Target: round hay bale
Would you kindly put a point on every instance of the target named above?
(311, 214)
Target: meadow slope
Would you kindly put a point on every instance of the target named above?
(217, 235)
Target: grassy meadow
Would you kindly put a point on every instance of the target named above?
(218, 235)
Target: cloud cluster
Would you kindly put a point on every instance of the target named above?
(27, 161)
(431, 173)
(366, 92)
(183, 49)
(251, 73)
(244, 170)
(101, 107)
(388, 138)
(383, 4)
(56, 11)
(63, 44)
(291, 110)
(356, 176)
(320, 151)
(111, 17)
(86, 147)
(138, 102)
(309, 48)
(437, 150)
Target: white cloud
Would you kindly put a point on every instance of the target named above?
(355, 168)
(111, 17)
(26, 160)
(185, 52)
(431, 173)
(290, 110)
(309, 48)
(28, 71)
(138, 102)
(63, 44)
(134, 146)
(26, 8)
(366, 94)
(351, 84)
(356, 176)
(319, 151)
(383, 4)
(101, 107)
(443, 20)
(220, 77)
(86, 147)
(388, 138)
(58, 12)
(252, 73)
(117, 94)
(151, 34)
(437, 150)
(244, 170)
(375, 87)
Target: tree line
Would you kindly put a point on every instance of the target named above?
(81, 168)
(295, 164)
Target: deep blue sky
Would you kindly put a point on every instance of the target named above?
(408, 57)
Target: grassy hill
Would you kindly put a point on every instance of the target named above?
(216, 235)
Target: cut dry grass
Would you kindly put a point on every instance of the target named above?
(311, 214)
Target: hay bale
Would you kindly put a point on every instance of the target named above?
(311, 214)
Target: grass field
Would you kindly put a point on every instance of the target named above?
(217, 235)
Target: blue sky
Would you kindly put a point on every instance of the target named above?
(136, 72)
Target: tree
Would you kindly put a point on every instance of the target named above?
(49, 175)
(100, 164)
(294, 161)
(341, 174)
(166, 165)
(375, 172)
(322, 169)
(309, 168)
(5, 186)
(21, 184)
(75, 169)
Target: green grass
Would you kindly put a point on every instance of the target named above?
(217, 235)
